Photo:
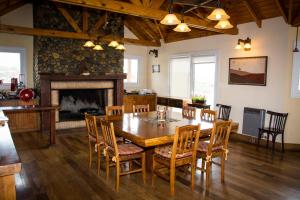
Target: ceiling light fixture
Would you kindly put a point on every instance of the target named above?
(170, 18)
(223, 24)
(121, 47)
(182, 27)
(113, 44)
(246, 44)
(296, 47)
(218, 13)
(89, 44)
(98, 47)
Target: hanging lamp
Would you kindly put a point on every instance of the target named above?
(223, 24)
(218, 13)
(182, 27)
(89, 44)
(121, 47)
(170, 18)
(296, 47)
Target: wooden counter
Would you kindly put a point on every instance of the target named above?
(136, 99)
(10, 163)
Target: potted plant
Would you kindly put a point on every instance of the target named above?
(199, 99)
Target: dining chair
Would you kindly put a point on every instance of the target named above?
(276, 127)
(114, 112)
(95, 140)
(224, 111)
(120, 153)
(181, 153)
(216, 147)
(208, 115)
(188, 112)
(140, 108)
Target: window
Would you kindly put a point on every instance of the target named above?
(131, 68)
(296, 76)
(193, 75)
(12, 64)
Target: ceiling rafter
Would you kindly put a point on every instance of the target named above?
(68, 17)
(290, 16)
(253, 11)
(85, 20)
(157, 4)
(70, 35)
(100, 23)
(132, 26)
(10, 7)
(131, 9)
(282, 10)
(162, 35)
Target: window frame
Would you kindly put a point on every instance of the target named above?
(139, 60)
(295, 90)
(23, 66)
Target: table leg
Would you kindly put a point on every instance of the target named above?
(149, 159)
(52, 127)
(7, 187)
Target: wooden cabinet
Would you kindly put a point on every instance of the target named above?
(23, 121)
(130, 100)
(170, 101)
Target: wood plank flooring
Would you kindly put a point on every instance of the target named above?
(61, 172)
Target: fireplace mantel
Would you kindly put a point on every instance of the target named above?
(47, 80)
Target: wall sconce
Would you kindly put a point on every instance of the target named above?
(244, 44)
(154, 52)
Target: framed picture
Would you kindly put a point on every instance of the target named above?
(248, 71)
(155, 68)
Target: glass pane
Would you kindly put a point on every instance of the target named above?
(10, 66)
(204, 78)
(180, 77)
(204, 59)
(131, 69)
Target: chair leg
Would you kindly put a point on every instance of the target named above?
(203, 166)
(153, 172)
(268, 136)
(90, 155)
(107, 166)
(208, 168)
(144, 167)
(193, 170)
(223, 168)
(130, 165)
(172, 179)
(259, 137)
(98, 160)
(117, 175)
(273, 142)
(282, 142)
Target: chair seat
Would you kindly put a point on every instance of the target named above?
(203, 147)
(166, 152)
(267, 129)
(129, 149)
(93, 139)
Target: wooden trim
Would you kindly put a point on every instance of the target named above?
(85, 20)
(68, 17)
(12, 7)
(159, 30)
(281, 9)
(69, 35)
(101, 21)
(140, 11)
(254, 13)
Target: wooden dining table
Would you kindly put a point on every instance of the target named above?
(145, 130)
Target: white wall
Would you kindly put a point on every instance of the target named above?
(271, 40)
(142, 53)
(22, 16)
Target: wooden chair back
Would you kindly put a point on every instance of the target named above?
(189, 112)
(91, 125)
(109, 137)
(224, 111)
(114, 112)
(208, 115)
(220, 135)
(186, 140)
(140, 108)
(277, 120)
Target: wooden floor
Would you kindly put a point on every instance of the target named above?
(61, 172)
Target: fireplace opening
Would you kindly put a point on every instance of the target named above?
(74, 103)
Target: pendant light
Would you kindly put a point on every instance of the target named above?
(296, 47)
(89, 44)
(223, 24)
(98, 47)
(218, 14)
(121, 47)
(113, 44)
(170, 19)
(182, 27)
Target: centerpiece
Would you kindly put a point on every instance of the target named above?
(199, 99)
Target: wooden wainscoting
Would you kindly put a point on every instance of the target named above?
(24, 121)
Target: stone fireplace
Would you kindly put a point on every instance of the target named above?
(77, 94)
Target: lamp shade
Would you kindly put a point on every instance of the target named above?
(238, 46)
(113, 44)
(218, 14)
(223, 24)
(182, 27)
(89, 43)
(98, 47)
(247, 46)
(170, 19)
(120, 47)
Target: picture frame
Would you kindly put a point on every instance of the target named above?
(248, 71)
(155, 68)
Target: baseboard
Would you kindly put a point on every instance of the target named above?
(263, 142)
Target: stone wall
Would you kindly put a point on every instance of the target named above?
(59, 55)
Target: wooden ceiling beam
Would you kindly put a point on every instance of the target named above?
(253, 11)
(136, 2)
(68, 17)
(156, 4)
(140, 11)
(290, 17)
(162, 36)
(281, 10)
(85, 20)
(12, 7)
(136, 29)
(69, 35)
(100, 22)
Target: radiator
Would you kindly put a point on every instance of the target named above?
(252, 120)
